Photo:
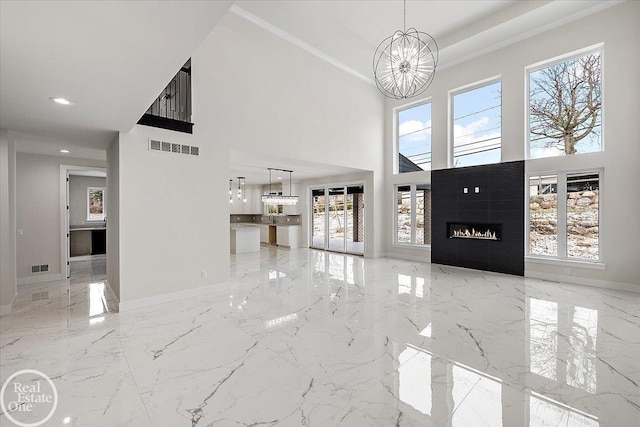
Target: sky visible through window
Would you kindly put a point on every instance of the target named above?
(414, 135)
(477, 126)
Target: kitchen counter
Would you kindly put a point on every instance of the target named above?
(87, 227)
(279, 220)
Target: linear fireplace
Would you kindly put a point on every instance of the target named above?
(478, 231)
(463, 222)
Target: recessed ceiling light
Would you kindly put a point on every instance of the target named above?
(279, 177)
(61, 101)
(64, 151)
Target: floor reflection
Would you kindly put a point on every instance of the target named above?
(571, 359)
(545, 412)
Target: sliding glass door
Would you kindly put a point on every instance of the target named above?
(337, 222)
(318, 223)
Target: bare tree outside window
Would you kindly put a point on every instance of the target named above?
(565, 107)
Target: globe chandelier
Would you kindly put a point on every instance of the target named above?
(404, 63)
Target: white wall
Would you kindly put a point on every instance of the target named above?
(286, 102)
(8, 289)
(78, 197)
(38, 210)
(618, 28)
(113, 216)
(283, 102)
(173, 221)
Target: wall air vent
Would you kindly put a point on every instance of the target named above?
(35, 269)
(170, 147)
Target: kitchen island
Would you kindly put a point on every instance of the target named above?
(244, 238)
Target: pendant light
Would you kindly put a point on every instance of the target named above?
(404, 63)
(277, 199)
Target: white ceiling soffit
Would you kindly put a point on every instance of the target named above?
(51, 146)
(92, 173)
(109, 58)
(254, 167)
(346, 33)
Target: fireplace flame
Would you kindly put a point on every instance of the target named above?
(473, 234)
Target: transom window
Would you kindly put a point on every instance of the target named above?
(565, 106)
(477, 125)
(414, 139)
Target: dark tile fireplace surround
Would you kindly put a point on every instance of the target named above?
(477, 216)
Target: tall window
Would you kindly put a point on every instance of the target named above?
(95, 204)
(564, 215)
(413, 214)
(477, 125)
(414, 139)
(565, 107)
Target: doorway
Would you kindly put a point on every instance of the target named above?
(337, 220)
(83, 219)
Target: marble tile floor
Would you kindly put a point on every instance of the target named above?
(312, 338)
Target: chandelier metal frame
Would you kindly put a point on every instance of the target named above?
(404, 64)
(274, 198)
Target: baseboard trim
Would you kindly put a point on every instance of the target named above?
(7, 309)
(168, 297)
(596, 283)
(39, 279)
(406, 257)
(113, 294)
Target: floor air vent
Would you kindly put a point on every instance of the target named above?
(169, 147)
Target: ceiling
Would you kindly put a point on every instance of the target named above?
(254, 168)
(109, 58)
(112, 58)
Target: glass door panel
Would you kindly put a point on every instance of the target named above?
(318, 223)
(354, 210)
(336, 225)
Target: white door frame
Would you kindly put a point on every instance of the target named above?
(64, 213)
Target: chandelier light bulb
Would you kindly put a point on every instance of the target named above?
(404, 63)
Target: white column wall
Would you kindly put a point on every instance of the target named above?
(8, 279)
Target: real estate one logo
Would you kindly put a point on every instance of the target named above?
(28, 398)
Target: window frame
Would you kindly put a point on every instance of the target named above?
(451, 118)
(597, 48)
(104, 203)
(561, 256)
(413, 190)
(396, 132)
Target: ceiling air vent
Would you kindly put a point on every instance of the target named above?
(155, 145)
(186, 149)
(175, 148)
(195, 151)
(166, 146)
